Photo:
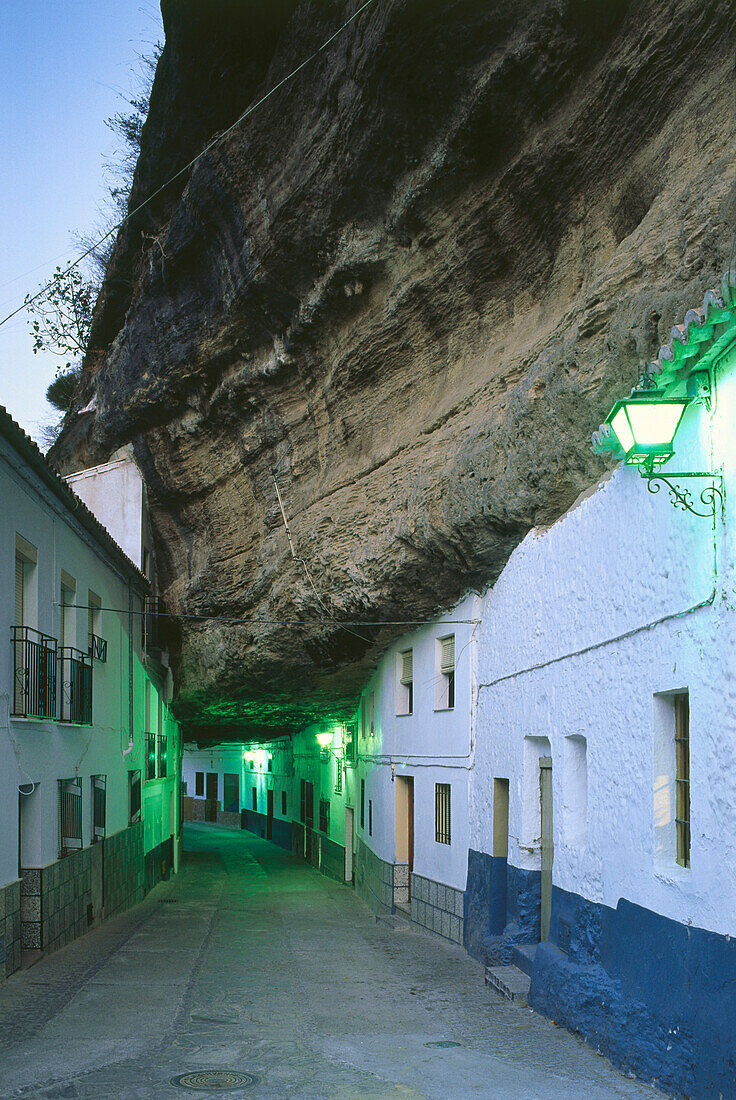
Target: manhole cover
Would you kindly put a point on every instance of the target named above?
(443, 1043)
(205, 1080)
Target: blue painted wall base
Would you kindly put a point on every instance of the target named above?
(653, 995)
(501, 910)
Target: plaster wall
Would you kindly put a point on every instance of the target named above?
(230, 759)
(114, 493)
(591, 628)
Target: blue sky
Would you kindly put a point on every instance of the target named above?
(63, 65)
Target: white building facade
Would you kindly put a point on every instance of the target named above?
(89, 751)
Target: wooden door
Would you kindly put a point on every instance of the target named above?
(548, 851)
(211, 808)
(269, 813)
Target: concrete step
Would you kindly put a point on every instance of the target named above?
(510, 982)
(405, 910)
(394, 922)
(523, 957)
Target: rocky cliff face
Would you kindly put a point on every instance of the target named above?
(413, 281)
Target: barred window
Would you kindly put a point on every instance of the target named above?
(70, 815)
(324, 815)
(98, 783)
(442, 813)
(134, 797)
(199, 784)
(283, 803)
(682, 778)
(362, 803)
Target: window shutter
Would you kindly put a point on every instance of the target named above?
(448, 654)
(20, 576)
(407, 666)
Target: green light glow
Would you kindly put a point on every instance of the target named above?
(337, 741)
(324, 739)
(620, 425)
(655, 424)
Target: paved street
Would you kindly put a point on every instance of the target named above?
(250, 961)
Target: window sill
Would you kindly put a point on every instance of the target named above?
(405, 714)
(442, 710)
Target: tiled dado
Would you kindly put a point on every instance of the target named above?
(401, 883)
(437, 908)
(9, 928)
(374, 879)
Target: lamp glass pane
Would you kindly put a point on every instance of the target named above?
(654, 424)
(324, 739)
(620, 425)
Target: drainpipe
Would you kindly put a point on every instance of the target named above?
(130, 672)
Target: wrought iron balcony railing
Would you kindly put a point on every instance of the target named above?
(34, 673)
(150, 756)
(162, 757)
(76, 686)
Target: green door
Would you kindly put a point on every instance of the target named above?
(548, 850)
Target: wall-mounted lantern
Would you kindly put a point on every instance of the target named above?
(645, 426)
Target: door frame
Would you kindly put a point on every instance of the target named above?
(547, 848)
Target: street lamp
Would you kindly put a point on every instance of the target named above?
(645, 426)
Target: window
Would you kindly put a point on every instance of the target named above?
(405, 684)
(70, 816)
(362, 803)
(445, 679)
(163, 756)
(324, 815)
(442, 813)
(147, 717)
(98, 783)
(371, 712)
(338, 775)
(255, 799)
(370, 817)
(283, 803)
(199, 784)
(303, 801)
(134, 797)
(309, 805)
(362, 717)
(350, 742)
(150, 756)
(97, 645)
(682, 778)
(270, 764)
(67, 633)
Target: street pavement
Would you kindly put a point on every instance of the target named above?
(250, 961)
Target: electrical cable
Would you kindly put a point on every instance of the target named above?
(275, 622)
(210, 145)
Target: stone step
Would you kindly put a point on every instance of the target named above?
(523, 957)
(510, 982)
(393, 921)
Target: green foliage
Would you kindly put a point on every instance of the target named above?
(61, 391)
(62, 317)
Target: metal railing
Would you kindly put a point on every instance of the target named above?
(149, 623)
(34, 673)
(76, 686)
(150, 756)
(162, 756)
(97, 648)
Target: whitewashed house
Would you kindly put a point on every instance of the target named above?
(84, 723)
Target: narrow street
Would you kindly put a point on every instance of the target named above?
(249, 961)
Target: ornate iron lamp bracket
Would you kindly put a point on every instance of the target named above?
(712, 497)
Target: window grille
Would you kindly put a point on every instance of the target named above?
(442, 813)
(254, 796)
(134, 797)
(338, 776)
(283, 803)
(350, 742)
(99, 808)
(150, 756)
(70, 816)
(362, 803)
(199, 784)
(370, 817)
(324, 815)
(682, 778)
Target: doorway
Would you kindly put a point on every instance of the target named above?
(211, 804)
(547, 850)
(348, 844)
(269, 813)
(404, 796)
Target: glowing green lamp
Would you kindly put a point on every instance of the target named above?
(325, 739)
(645, 425)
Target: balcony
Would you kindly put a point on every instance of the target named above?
(150, 756)
(76, 686)
(34, 677)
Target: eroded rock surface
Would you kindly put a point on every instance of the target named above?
(413, 281)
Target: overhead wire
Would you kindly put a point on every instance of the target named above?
(172, 179)
(234, 620)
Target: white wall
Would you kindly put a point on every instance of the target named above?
(114, 493)
(590, 625)
(43, 752)
(432, 744)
